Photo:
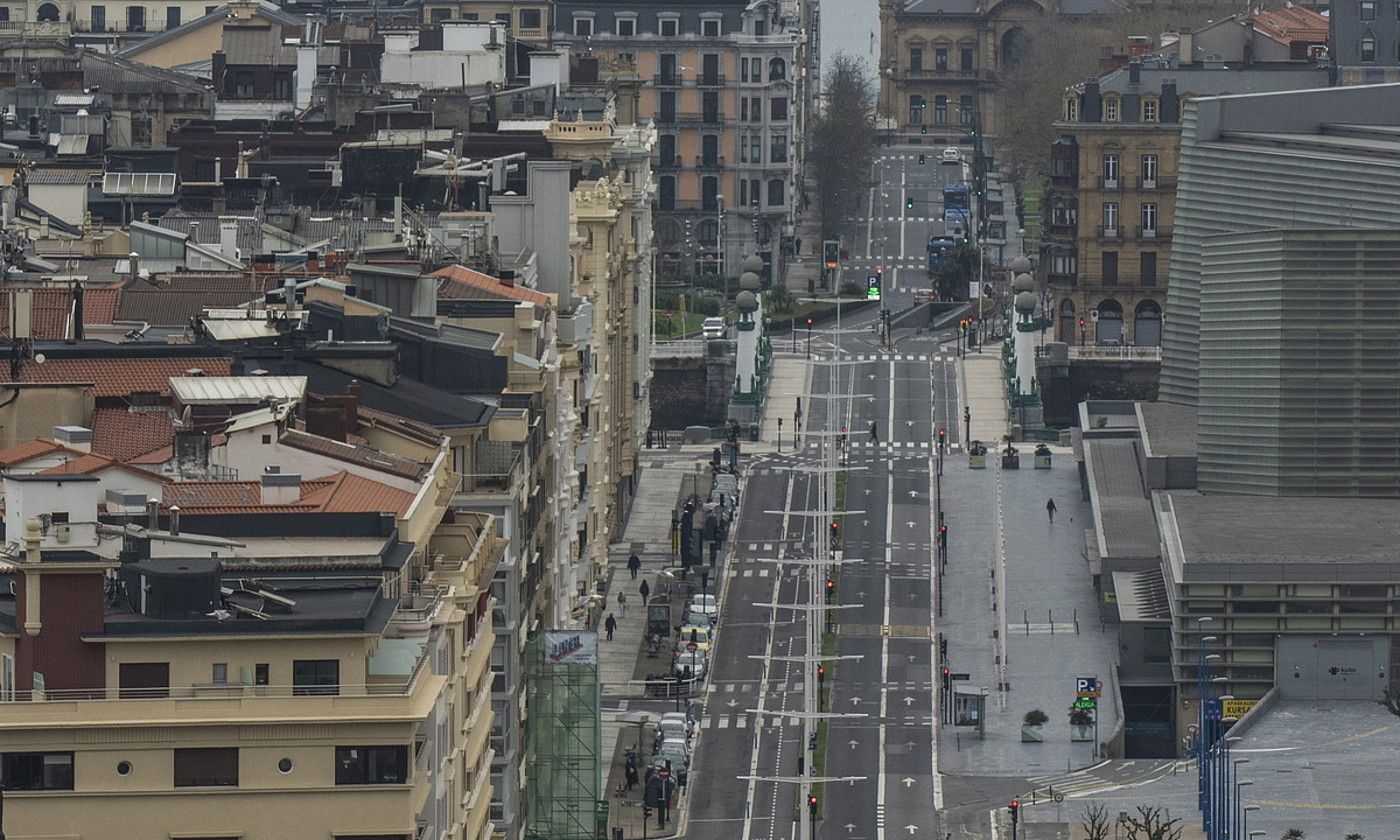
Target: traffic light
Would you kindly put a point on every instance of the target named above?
(942, 536)
(812, 805)
(1081, 324)
(942, 438)
(830, 588)
(809, 322)
(821, 674)
(943, 649)
(947, 679)
(831, 253)
(923, 129)
(646, 813)
(909, 203)
(921, 160)
(1015, 809)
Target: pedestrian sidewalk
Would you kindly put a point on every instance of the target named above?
(979, 380)
(791, 379)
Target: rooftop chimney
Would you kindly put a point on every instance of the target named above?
(174, 520)
(74, 437)
(279, 488)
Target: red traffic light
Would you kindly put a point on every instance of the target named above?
(835, 526)
(821, 670)
(1015, 804)
(945, 672)
(809, 321)
(812, 800)
(1081, 322)
(942, 433)
(942, 529)
(830, 585)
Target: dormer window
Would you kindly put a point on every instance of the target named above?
(668, 27)
(711, 27)
(1149, 110)
(1071, 110)
(1110, 109)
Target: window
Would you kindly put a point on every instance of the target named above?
(1108, 273)
(778, 148)
(371, 765)
(709, 193)
(530, 19)
(1149, 110)
(1367, 9)
(440, 15)
(627, 26)
(1368, 47)
(1149, 219)
(99, 18)
(1110, 110)
(965, 110)
(282, 86)
(1147, 268)
(777, 70)
(916, 109)
(965, 60)
(4, 13)
(778, 109)
(710, 27)
(37, 771)
(665, 199)
(261, 675)
(172, 17)
(940, 58)
(243, 84)
(1149, 171)
(143, 679)
(1071, 110)
(7, 677)
(1156, 645)
(709, 149)
(916, 58)
(756, 148)
(709, 69)
(315, 676)
(583, 26)
(743, 192)
(140, 130)
(135, 18)
(206, 767)
(709, 103)
(777, 194)
(940, 110)
(1067, 264)
(1110, 172)
(667, 102)
(219, 673)
(755, 195)
(1110, 218)
(669, 27)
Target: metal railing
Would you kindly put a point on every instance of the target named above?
(1114, 232)
(1127, 353)
(678, 348)
(1158, 232)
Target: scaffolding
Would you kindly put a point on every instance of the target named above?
(564, 736)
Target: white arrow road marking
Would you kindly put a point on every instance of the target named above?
(908, 782)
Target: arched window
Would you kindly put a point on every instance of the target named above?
(1109, 329)
(916, 109)
(47, 13)
(1147, 324)
(777, 70)
(706, 232)
(1067, 325)
(1368, 46)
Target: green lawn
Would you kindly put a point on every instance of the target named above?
(673, 326)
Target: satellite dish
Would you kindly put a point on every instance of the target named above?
(39, 358)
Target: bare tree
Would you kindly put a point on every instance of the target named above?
(1150, 823)
(843, 143)
(1096, 823)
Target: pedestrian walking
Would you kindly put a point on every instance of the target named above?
(645, 590)
(622, 601)
(634, 563)
(610, 625)
(631, 773)
(874, 435)
(1050, 510)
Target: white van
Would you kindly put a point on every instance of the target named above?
(713, 328)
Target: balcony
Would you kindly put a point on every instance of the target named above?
(708, 80)
(1125, 353)
(1109, 183)
(671, 162)
(1062, 230)
(667, 80)
(1156, 184)
(1113, 232)
(709, 162)
(1158, 233)
(1064, 281)
(676, 118)
(35, 29)
(949, 74)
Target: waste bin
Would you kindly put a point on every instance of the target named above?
(753, 432)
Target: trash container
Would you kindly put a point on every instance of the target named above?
(753, 432)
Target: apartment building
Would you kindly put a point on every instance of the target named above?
(525, 20)
(1364, 41)
(722, 87)
(243, 657)
(1112, 196)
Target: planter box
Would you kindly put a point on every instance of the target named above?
(1081, 733)
(1042, 462)
(1031, 734)
(1011, 462)
(977, 462)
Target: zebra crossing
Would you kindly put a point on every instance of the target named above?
(1101, 778)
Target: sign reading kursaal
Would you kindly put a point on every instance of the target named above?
(571, 647)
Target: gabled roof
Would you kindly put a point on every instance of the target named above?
(266, 10)
(27, 451)
(112, 377)
(124, 434)
(174, 307)
(77, 463)
(114, 74)
(1292, 23)
(49, 318)
(461, 283)
(351, 454)
(341, 492)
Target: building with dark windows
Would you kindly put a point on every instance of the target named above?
(1112, 197)
(1364, 38)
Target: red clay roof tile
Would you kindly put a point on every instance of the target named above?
(462, 283)
(116, 377)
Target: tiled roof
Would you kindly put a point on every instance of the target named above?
(117, 377)
(361, 455)
(165, 453)
(342, 492)
(1292, 23)
(70, 177)
(87, 463)
(49, 319)
(27, 451)
(461, 283)
(426, 434)
(124, 434)
(175, 307)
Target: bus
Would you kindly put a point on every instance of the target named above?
(956, 210)
(940, 250)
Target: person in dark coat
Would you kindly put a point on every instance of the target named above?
(645, 590)
(610, 625)
(1050, 510)
(634, 563)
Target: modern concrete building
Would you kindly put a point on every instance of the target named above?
(1364, 41)
(1112, 194)
(1333, 161)
(726, 90)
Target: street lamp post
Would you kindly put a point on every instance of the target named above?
(1239, 832)
(719, 244)
(1249, 835)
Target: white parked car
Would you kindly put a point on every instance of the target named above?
(705, 605)
(713, 328)
(694, 660)
(672, 722)
(951, 155)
